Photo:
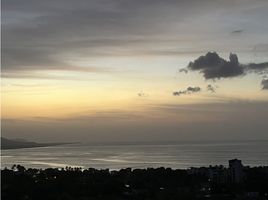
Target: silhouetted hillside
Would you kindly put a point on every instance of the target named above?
(131, 184)
(16, 144)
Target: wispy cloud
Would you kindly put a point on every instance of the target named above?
(49, 72)
(211, 88)
(238, 31)
(40, 36)
(142, 94)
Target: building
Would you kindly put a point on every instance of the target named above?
(218, 174)
(236, 171)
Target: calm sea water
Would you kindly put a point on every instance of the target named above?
(182, 155)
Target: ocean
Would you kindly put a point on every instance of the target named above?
(175, 155)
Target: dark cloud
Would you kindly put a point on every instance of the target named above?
(264, 84)
(183, 70)
(260, 68)
(193, 89)
(214, 67)
(178, 93)
(239, 31)
(211, 88)
(189, 90)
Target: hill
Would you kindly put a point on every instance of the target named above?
(18, 144)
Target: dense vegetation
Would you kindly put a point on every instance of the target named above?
(19, 183)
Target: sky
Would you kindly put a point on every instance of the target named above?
(134, 70)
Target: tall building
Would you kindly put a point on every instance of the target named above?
(236, 171)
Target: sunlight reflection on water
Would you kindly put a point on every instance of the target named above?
(138, 156)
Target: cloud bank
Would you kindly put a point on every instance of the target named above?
(49, 35)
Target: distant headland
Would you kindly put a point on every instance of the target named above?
(19, 144)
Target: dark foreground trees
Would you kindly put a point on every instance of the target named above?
(19, 183)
